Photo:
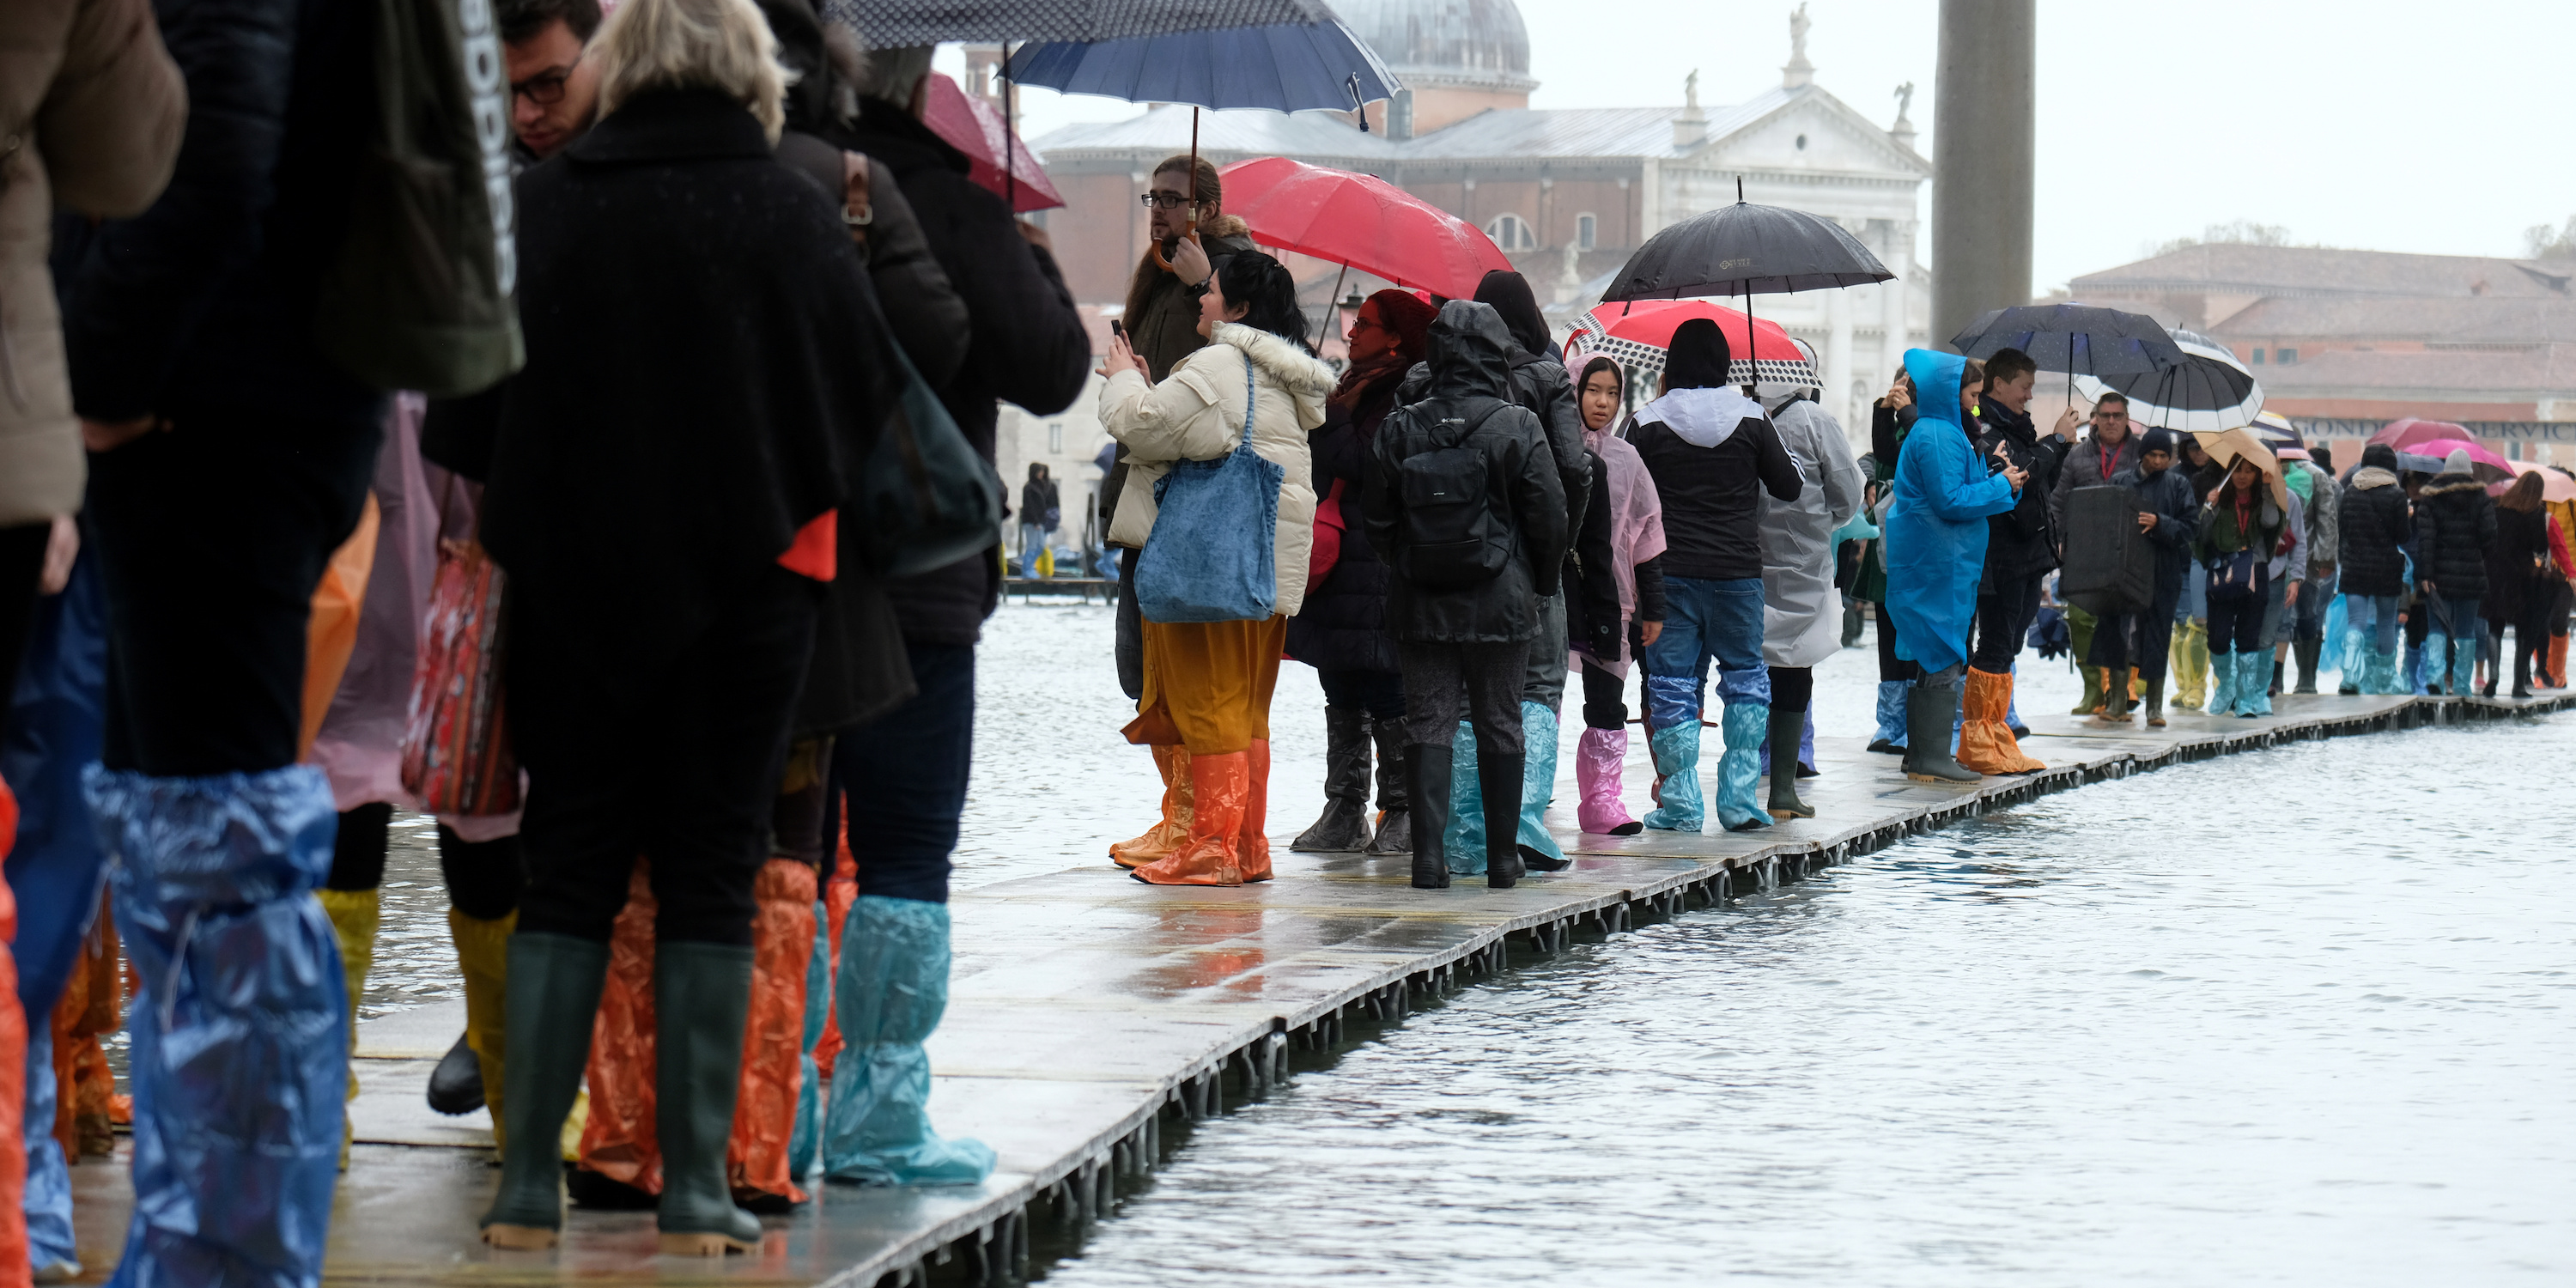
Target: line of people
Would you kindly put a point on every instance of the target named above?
(742, 262)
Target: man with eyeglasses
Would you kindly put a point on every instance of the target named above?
(2109, 449)
(554, 92)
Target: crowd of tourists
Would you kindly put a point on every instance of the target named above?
(252, 601)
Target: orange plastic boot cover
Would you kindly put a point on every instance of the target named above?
(1167, 835)
(1219, 786)
(773, 1036)
(618, 1140)
(1253, 849)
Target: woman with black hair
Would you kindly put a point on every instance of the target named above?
(1207, 684)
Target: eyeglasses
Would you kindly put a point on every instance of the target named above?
(1367, 321)
(2121, 413)
(1167, 200)
(544, 89)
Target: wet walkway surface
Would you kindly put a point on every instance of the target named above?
(1096, 1019)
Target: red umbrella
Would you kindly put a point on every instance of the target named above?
(1638, 333)
(1359, 221)
(974, 129)
(2403, 435)
(2486, 465)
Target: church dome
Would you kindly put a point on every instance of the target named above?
(1456, 44)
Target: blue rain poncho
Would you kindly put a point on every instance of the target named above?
(1936, 527)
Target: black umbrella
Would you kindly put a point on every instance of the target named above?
(2208, 391)
(887, 24)
(2078, 339)
(1743, 249)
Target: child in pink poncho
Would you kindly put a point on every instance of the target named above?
(1636, 522)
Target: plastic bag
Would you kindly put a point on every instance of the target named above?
(773, 1039)
(331, 630)
(456, 745)
(618, 1140)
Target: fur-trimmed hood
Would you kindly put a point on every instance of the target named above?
(2371, 476)
(1224, 226)
(2447, 483)
(1305, 378)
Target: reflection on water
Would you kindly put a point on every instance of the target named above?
(2293, 1017)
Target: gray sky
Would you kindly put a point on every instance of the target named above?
(2366, 124)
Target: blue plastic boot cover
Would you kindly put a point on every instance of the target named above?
(2383, 673)
(2222, 684)
(2464, 665)
(2414, 676)
(2254, 683)
(1745, 726)
(892, 989)
(1463, 840)
(48, 1198)
(240, 1057)
(2437, 663)
(805, 1140)
(2353, 656)
(1538, 778)
(1676, 749)
(1891, 712)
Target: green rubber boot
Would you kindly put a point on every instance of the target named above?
(701, 997)
(554, 999)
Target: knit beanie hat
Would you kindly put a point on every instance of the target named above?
(2156, 439)
(2380, 456)
(1405, 314)
(2457, 462)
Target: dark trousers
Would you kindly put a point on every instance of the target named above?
(1380, 693)
(212, 537)
(680, 768)
(1128, 643)
(1891, 668)
(484, 878)
(902, 779)
(1605, 696)
(2236, 624)
(22, 564)
(2003, 619)
(1484, 678)
(1793, 688)
(2143, 640)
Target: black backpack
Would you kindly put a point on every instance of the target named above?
(419, 294)
(1451, 536)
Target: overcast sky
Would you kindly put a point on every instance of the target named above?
(2367, 124)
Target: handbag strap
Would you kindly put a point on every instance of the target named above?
(1247, 397)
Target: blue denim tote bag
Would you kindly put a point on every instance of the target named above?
(1213, 554)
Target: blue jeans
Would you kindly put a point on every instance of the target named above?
(1706, 621)
(904, 778)
(2376, 614)
(1032, 540)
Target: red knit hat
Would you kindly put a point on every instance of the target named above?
(1409, 317)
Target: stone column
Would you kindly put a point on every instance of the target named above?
(1982, 117)
(1892, 301)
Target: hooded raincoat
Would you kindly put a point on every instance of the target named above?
(1801, 611)
(1636, 517)
(1936, 526)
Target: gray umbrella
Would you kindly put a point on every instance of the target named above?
(887, 24)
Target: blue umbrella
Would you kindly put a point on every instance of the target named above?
(1289, 68)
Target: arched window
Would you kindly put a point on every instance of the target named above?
(1587, 232)
(1511, 232)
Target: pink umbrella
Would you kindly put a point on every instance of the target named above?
(976, 130)
(2403, 435)
(2486, 465)
(2555, 485)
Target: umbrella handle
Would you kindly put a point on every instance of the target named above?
(1156, 250)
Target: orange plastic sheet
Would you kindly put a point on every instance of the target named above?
(839, 894)
(15, 1271)
(619, 1141)
(331, 631)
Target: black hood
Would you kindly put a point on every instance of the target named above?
(2381, 456)
(1510, 295)
(1470, 352)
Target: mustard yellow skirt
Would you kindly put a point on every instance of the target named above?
(1208, 684)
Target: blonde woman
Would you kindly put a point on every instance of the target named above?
(669, 469)
(1208, 684)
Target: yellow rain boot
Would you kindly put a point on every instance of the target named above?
(483, 958)
(354, 914)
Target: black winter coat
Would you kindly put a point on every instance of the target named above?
(694, 393)
(206, 300)
(2513, 571)
(1342, 626)
(2020, 542)
(2375, 531)
(1471, 381)
(2168, 496)
(2455, 522)
(1712, 525)
(1028, 345)
(1592, 604)
(1540, 383)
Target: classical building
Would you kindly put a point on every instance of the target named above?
(2345, 341)
(1566, 193)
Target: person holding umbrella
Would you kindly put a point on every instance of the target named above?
(2455, 522)
(1936, 550)
(1710, 451)
(2103, 455)
(2021, 550)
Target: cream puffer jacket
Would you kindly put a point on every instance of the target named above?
(1196, 414)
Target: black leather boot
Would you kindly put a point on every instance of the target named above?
(1394, 822)
(2306, 651)
(1929, 714)
(1344, 826)
(1427, 766)
(1498, 779)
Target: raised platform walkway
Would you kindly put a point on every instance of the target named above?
(1092, 1013)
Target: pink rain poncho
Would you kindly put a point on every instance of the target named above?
(1636, 513)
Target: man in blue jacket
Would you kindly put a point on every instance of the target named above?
(1936, 552)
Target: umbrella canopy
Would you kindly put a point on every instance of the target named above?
(2555, 485)
(2206, 390)
(2227, 445)
(1285, 68)
(2080, 339)
(1359, 221)
(2403, 435)
(978, 131)
(2277, 433)
(1745, 249)
(889, 24)
(2485, 465)
(1639, 334)
(2416, 463)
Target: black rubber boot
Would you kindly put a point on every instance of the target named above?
(1427, 782)
(456, 1084)
(701, 996)
(2277, 668)
(1929, 714)
(1344, 826)
(554, 998)
(1394, 823)
(1785, 728)
(2306, 651)
(1498, 778)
